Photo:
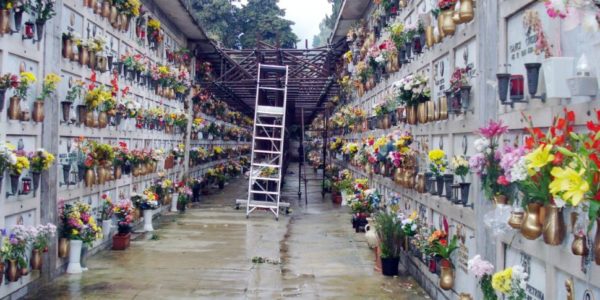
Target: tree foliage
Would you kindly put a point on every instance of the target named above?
(327, 24)
(236, 26)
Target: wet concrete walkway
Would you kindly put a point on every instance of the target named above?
(207, 253)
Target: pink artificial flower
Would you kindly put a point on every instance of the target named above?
(502, 180)
(480, 267)
(493, 129)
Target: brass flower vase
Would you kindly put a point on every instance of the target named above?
(14, 108)
(597, 242)
(118, 172)
(12, 272)
(422, 112)
(432, 114)
(105, 9)
(114, 16)
(67, 49)
(466, 12)
(63, 247)
(84, 55)
(531, 227)
(448, 25)
(38, 111)
(89, 119)
(441, 35)
(36, 259)
(102, 120)
(446, 278)
(554, 226)
(90, 178)
(500, 200)
(579, 245)
(411, 115)
(516, 219)
(429, 38)
(92, 60)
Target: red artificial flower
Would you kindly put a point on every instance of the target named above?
(570, 115)
(597, 197)
(595, 159)
(558, 159)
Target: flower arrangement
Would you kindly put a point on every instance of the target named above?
(41, 160)
(103, 153)
(106, 211)
(154, 33)
(43, 10)
(97, 96)
(27, 79)
(409, 225)
(446, 4)
(49, 86)
(79, 224)
(123, 211)
(459, 78)
(483, 271)
(8, 81)
(147, 200)
(486, 163)
(7, 156)
(14, 245)
(121, 153)
(444, 249)
(21, 164)
(511, 282)
(129, 7)
(41, 235)
(75, 91)
(437, 162)
(460, 165)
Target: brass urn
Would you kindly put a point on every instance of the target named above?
(102, 120)
(14, 108)
(443, 108)
(531, 228)
(446, 278)
(516, 219)
(63, 247)
(554, 226)
(105, 9)
(90, 178)
(422, 112)
(466, 12)
(411, 114)
(429, 38)
(36, 259)
(448, 25)
(579, 245)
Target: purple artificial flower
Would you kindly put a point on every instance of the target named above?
(477, 163)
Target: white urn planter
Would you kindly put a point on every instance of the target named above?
(106, 229)
(148, 220)
(174, 202)
(74, 266)
(556, 71)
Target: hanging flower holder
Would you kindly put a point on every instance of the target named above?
(503, 80)
(66, 169)
(465, 96)
(448, 181)
(465, 188)
(533, 77)
(2, 97)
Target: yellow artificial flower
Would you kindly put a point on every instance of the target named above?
(539, 158)
(52, 80)
(502, 281)
(437, 154)
(154, 24)
(569, 184)
(28, 78)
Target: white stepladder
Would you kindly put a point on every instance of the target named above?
(265, 177)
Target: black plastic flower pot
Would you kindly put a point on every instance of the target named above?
(389, 266)
(408, 50)
(124, 229)
(18, 16)
(2, 96)
(465, 95)
(428, 181)
(417, 45)
(403, 58)
(439, 180)
(503, 80)
(533, 77)
(39, 29)
(465, 187)
(448, 181)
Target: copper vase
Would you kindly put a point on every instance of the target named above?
(36, 259)
(38, 111)
(14, 108)
(63, 247)
(448, 25)
(531, 228)
(554, 226)
(579, 245)
(422, 112)
(446, 278)
(466, 13)
(516, 219)
(12, 272)
(102, 120)
(411, 114)
(90, 178)
(597, 242)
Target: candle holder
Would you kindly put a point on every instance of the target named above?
(28, 34)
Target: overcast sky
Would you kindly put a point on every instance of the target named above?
(307, 14)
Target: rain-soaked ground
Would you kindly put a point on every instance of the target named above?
(207, 253)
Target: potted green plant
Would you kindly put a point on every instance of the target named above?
(390, 235)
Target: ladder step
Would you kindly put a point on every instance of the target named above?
(266, 138)
(273, 67)
(270, 110)
(271, 88)
(263, 192)
(265, 165)
(267, 152)
(269, 125)
(265, 178)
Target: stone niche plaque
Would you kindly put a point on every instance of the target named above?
(536, 284)
(466, 249)
(520, 48)
(441, 76)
